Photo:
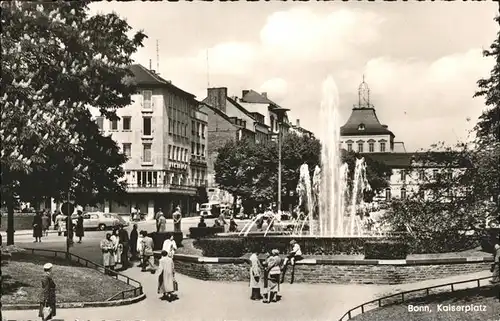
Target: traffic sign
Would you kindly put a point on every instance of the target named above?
(67, 208)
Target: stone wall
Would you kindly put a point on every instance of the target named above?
(340, 271)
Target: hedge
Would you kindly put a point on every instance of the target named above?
(385, 250)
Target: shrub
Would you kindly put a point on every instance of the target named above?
(489, 239)
(199, 232)
(221, 247)
(385, 250)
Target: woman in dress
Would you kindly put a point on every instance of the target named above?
(47, 295)
(79, 226)
(118, 248)
(46, 223)
(162, 224)
(166, 279)
(274, 273)
(37, 227)
(256, 277)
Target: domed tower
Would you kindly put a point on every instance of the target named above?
(363, 132)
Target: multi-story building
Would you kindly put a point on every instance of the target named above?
(156, 134)
(199, 143)
(301, 131)
(363, 133)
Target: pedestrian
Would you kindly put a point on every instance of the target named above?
(147, 252)
(161, 224)
(222, 219)
(157, 218)
(169, 245)
(202, 222)
(54, 216)
(233, 227)
(256, 276)
(124, 241)
(292, 257)
(274, 272)
(60, 223)
(79, 230)
(133, 242)
(177, 216)
(37, 227)
(48, 295)
(496, 265)
(108, 259)
(46, 223)
(118, 248)
(167, 285)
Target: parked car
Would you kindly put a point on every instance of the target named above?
(206, 209)
(100, 220)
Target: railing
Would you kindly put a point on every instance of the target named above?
(370, 304)
(137, 290)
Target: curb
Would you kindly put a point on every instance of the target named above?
(76, 305)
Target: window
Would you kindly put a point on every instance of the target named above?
(387, 194)
(371, 147)
(403, 175)
(147, 95)
(100, 122)
(202, 150)
(198, 129)
(360, 147)
(126, 123)
(202, 131)
(146, 153)
(193, 147)
(146, 126)
(361, 127)
(127, 149)
(197, 149)
(349, 147)
(114, 124)
(382, 147)
(170, 126)
(403, 193)
(169, 151)
(193, 126)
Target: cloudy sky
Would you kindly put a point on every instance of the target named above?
(420, 60)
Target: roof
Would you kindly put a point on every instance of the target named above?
(218, 112)
(145, 77)
(254, 97)
(368, 118)
(405, 160)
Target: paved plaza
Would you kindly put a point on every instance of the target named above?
(207, 300)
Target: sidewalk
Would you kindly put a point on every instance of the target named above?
(206, 300)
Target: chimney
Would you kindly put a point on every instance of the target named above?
(298, 122)
(244, 93)
(217, 97)
(264, 94)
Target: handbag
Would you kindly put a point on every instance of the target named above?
(46, 313)
(176, 286)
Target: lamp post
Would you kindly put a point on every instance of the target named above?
(279, 168)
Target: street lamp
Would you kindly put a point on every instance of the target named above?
(280, 112)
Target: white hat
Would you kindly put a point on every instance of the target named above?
(47, 266)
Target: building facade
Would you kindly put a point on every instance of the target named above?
(157, 133)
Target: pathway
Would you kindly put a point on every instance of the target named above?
(206, 300)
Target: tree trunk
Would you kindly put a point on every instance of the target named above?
(10, 220)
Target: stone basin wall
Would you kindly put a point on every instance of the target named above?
(336, 271)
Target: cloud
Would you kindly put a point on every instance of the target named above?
(276, 88)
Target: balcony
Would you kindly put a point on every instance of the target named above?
(198, 159)
(160, 188)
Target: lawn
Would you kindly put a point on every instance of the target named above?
(486, 297)
(21, 281)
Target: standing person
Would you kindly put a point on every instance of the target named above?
(158, 215)
(256, 276)
(202, 222)
(177, 216)
(496, 266)
(133, 242)
(37, 227)
(54, 216)
(166, 279)
(79, 231)
(108, 259)
(233, 227)
(292, 257)
(124, 241)
(148, 246)
(274, 272)
(140, 249)
(132, 215)
(117, 247)
(60, 223)
(222, 220)
(45, 223)
(48, 295)
(161, 224)
(169, 245)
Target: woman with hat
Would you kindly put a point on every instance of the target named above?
(274, 273)
(48, 295)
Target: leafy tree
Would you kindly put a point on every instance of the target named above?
(56, 61)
